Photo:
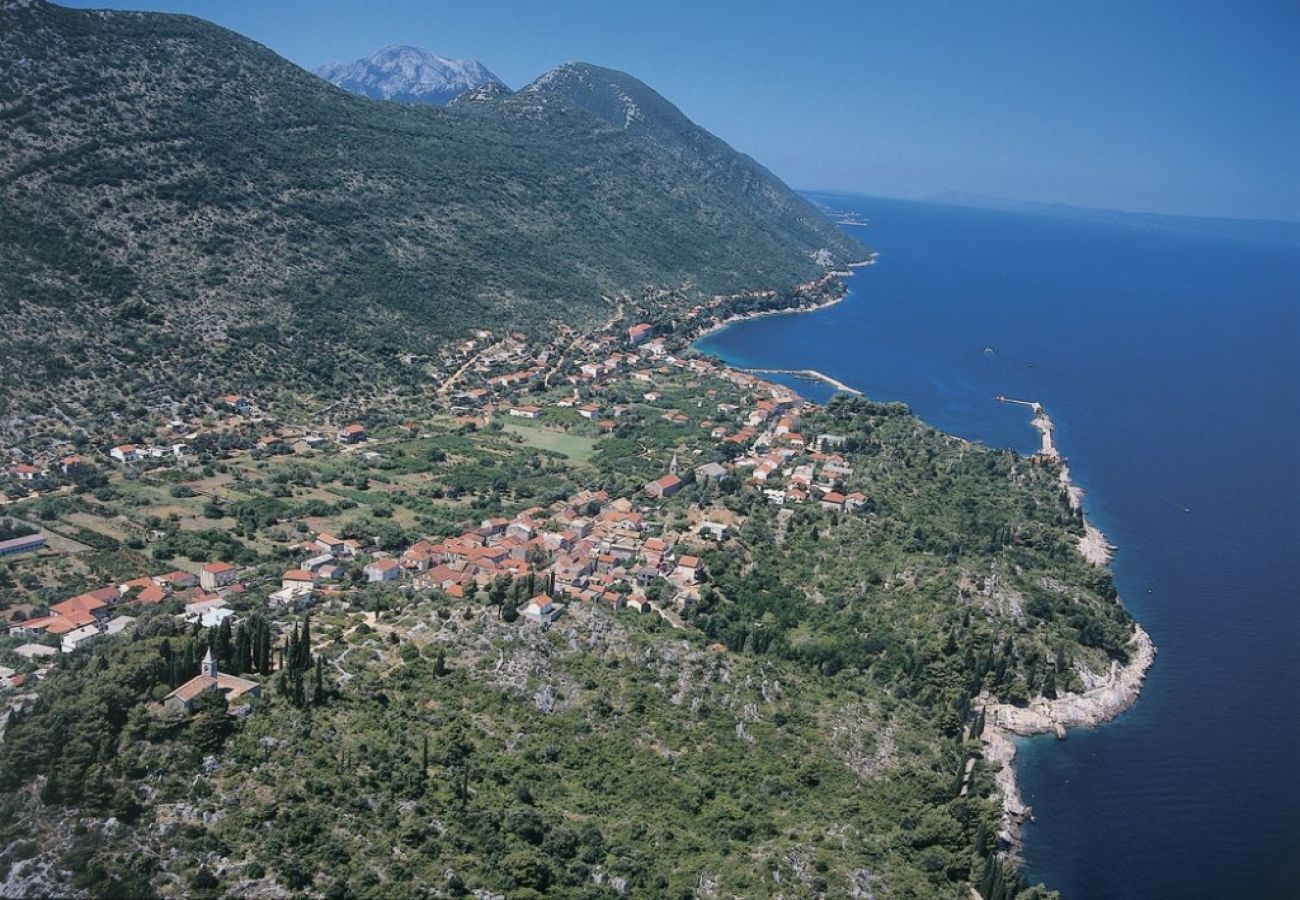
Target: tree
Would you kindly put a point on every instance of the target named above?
(211, 724)
(458, 749)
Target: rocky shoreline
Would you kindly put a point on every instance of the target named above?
(1116, 693)
(1102, 702)
(1105, 698)
(1094, 546)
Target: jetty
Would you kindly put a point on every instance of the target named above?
(1042, 422)
(809, 374)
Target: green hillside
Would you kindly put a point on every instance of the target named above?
(189, 213)
(635, 108)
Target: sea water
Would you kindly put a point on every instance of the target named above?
(1169, 359)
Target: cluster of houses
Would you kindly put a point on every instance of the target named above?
(89, 616)
(591, 548)
(130, 453)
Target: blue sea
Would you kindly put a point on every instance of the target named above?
(1169, 359)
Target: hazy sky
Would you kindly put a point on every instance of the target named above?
(1183, 106)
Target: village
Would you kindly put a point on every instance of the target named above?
(706, 429)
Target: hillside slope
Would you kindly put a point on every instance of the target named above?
(638, 110)
(189, 213)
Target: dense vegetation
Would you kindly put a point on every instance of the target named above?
(600, 758)
(195, 215)
(964, 576)
(804, 734)
(198, 216)
(634, 107)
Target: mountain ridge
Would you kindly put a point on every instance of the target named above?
(201, 216)
(634, 107)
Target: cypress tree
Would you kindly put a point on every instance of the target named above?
(955, 790)
(224, 641)
(305, 653)
(265, 649)
(986, 879)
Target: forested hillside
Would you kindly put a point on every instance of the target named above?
(188, 212)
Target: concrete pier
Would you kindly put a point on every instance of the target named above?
(1042, 422)
(810, 374)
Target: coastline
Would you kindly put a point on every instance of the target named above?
(849, 270)
(1096, 706)
(1094, 545)
(1106, 698)
(810, 374)
(764, 313)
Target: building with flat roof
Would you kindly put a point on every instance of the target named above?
(26, 544)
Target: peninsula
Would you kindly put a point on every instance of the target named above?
(373, 529)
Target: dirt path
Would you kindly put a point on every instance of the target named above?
(456, 376)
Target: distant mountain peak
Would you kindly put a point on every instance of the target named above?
(409, 75)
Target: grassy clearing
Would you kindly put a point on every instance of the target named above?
(574, 446)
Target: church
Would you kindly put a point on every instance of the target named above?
(181, 700)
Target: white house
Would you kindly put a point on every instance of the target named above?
(125, 453)
(196, 612)
(299, 579)
(118, 624)
(79, 637)
(710, 472)
(713, 530)
(542, 609)
(383, 570)
(292, 597)
(35, 651)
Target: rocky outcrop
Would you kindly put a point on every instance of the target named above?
(1115, 693)
(1094, 546)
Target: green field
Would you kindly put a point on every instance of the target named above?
(574, 446)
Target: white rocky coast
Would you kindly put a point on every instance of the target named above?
(1116, 692)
